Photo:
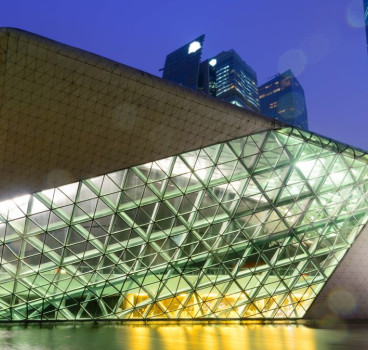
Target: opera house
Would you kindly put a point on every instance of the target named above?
(125, 196)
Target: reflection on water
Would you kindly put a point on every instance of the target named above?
(182, 337)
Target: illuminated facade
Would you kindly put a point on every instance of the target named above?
(283, 98)
(236, 82)
(245, 218)
(182, 65)
(252, 227)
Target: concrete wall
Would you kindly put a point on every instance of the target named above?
(345, 295)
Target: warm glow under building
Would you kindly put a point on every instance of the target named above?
(124, 196)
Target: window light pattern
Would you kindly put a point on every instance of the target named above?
(250, 228)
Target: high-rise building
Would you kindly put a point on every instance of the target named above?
(236, 81)
(225, 76)
(125, 197)
(366, 19)
(182, 65)
(283, 98)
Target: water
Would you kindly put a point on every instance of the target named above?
(182, 337)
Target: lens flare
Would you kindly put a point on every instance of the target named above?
(355, 14)
(315, 47)
(293, 59)
(342, 302)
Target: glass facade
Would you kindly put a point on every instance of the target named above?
(250, 228)
(283, 98)
(236, 82)
(182, 65)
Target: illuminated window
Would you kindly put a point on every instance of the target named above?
(273, 105)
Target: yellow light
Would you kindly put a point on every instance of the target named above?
(209, 295)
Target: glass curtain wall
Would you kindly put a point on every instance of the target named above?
(250, 228)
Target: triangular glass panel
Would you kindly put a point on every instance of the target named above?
(117, 177)
(85, 193)
(70, 190)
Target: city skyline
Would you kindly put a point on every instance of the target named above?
(325, 44)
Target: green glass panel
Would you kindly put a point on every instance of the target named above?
(252, 227)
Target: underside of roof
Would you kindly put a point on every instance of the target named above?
(67, 114)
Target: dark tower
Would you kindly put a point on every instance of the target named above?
(182, 65)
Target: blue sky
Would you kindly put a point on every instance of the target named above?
(322, 40)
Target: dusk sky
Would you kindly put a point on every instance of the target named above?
(322, 41)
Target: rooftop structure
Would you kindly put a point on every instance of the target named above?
(173, 205)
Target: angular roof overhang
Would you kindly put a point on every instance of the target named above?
(67, 114)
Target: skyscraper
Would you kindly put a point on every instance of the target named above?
(182, 65)
(236, 81)
(225, 76)
(283, 98)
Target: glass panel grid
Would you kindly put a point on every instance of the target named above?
(250, 228)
